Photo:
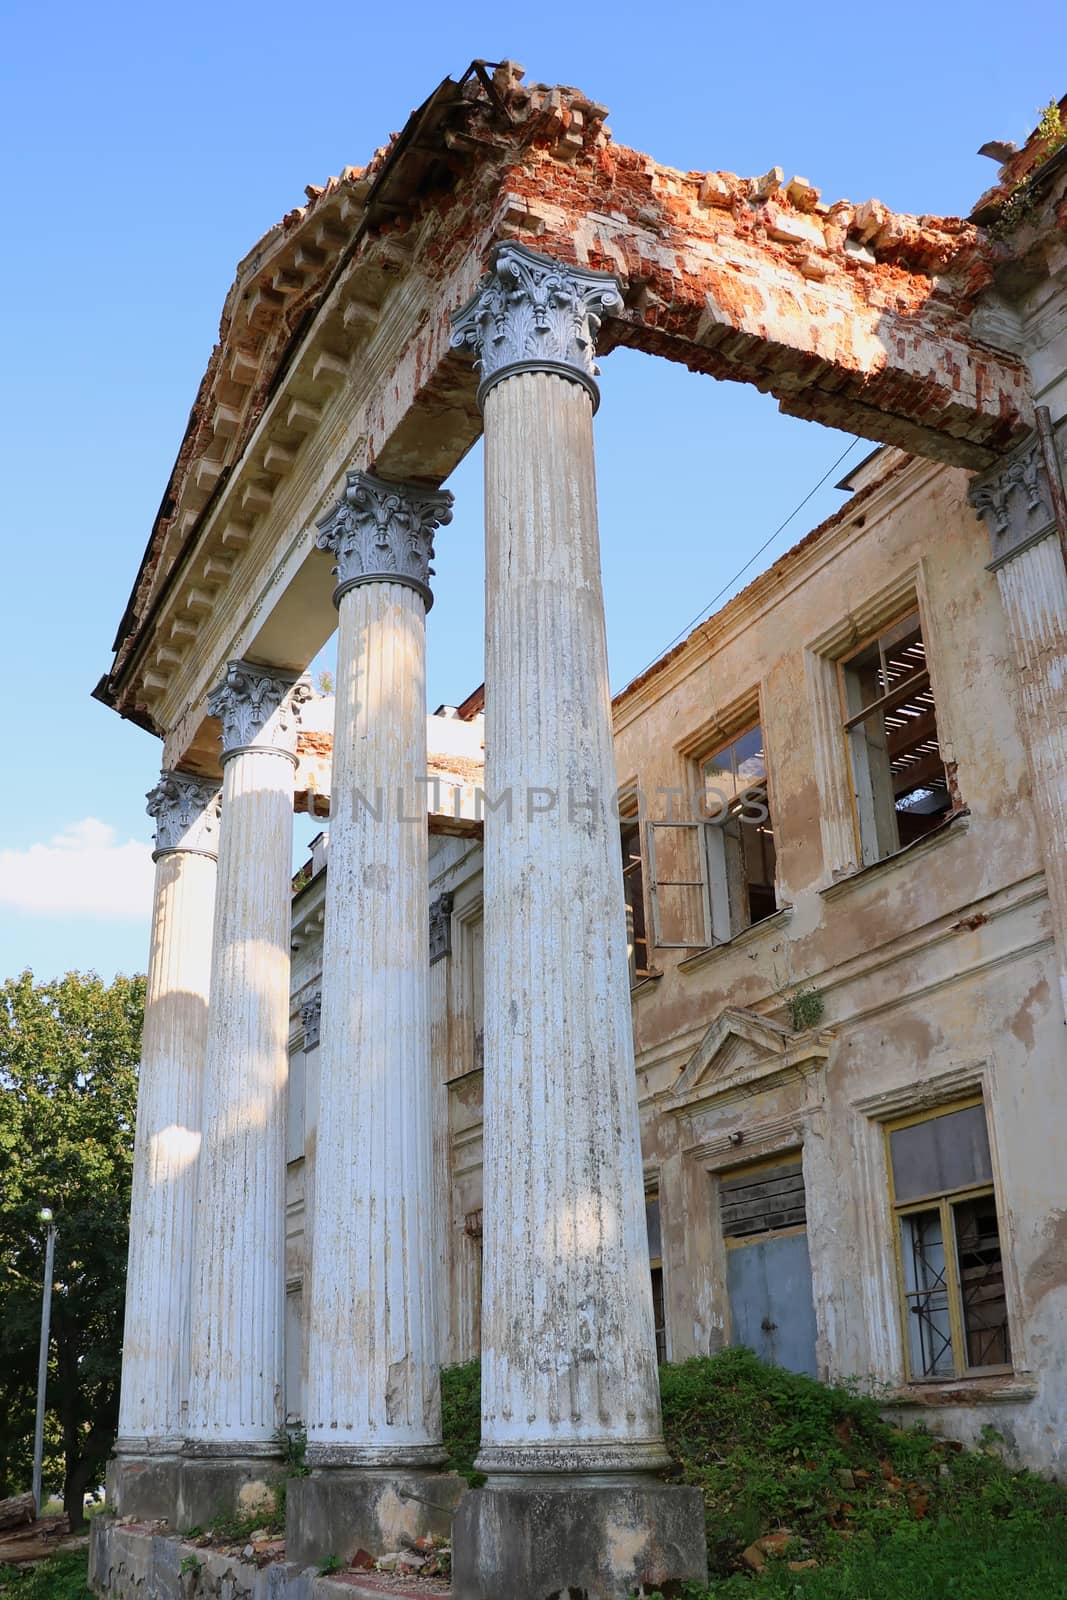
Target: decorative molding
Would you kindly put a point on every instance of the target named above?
(742, 1054)
(532, 313)
(311, 1018)
(186, 812)
(383, 533)
(924, 1094)
(259, 709)
(1015, 502)
(441, 927)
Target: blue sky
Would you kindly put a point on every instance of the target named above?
(145, 148)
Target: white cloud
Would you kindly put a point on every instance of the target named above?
(81, 872)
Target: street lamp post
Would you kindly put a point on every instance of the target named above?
(42, 1363)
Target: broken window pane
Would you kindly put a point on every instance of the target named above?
(898, 775)
(981, 1271)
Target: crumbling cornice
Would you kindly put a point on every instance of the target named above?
(853, 315)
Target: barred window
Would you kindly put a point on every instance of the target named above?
(948, 1244)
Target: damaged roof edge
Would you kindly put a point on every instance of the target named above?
(419, 122)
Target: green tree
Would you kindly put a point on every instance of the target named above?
(68, 1094)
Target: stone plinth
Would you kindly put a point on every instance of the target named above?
(214, 1488)
(338, 1511)
(549, 1537)
(145, 1486)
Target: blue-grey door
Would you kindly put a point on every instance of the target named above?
(771, 1306)
(763, 1212)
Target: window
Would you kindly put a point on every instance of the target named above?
(898, 776)
(633, 888)
(655, 1261)
(948, 1244)
(741, 841)
(712, 878)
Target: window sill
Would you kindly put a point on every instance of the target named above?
(646, 981)
(984, 1390)
(949, 829)
(777, 919)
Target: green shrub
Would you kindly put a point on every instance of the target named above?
(461, 1418)
(887, 1513)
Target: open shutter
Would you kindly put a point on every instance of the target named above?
(679, 887)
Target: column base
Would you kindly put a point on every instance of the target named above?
(337, 1511)
(544, 1538)
(224, 1488)
(145, 1486)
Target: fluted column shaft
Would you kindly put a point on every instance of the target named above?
(237, 1354)
(155, 1349)
(1033, 588)
(1018, 499)
(569, 1377)
(373, 1290)
(374, 1397)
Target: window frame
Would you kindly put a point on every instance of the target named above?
(713, 883)
(944, 1201)
(630, 818)
(849, 721)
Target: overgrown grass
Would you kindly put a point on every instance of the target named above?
(61, 1577)
(886, 1514)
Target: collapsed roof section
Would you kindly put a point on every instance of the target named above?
(848, 314)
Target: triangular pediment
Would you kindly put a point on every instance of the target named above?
(736, 1041)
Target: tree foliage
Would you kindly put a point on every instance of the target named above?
(68, 1093)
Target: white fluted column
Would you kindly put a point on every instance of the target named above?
(569, 1377)
(237, 1337)
(373, 1391)
(155, 1347)
(1028, 558)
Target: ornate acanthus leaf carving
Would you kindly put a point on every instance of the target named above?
(383, 532)
(186, 812)
(311, 1019)
(257, 707)
(1014, 501)
(532, 313)
(441, 927)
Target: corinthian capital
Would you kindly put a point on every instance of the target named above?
(186, 812)
(259, 709)
(534, 314)
(383, 533)
(311, 1018)
(1014, 501)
